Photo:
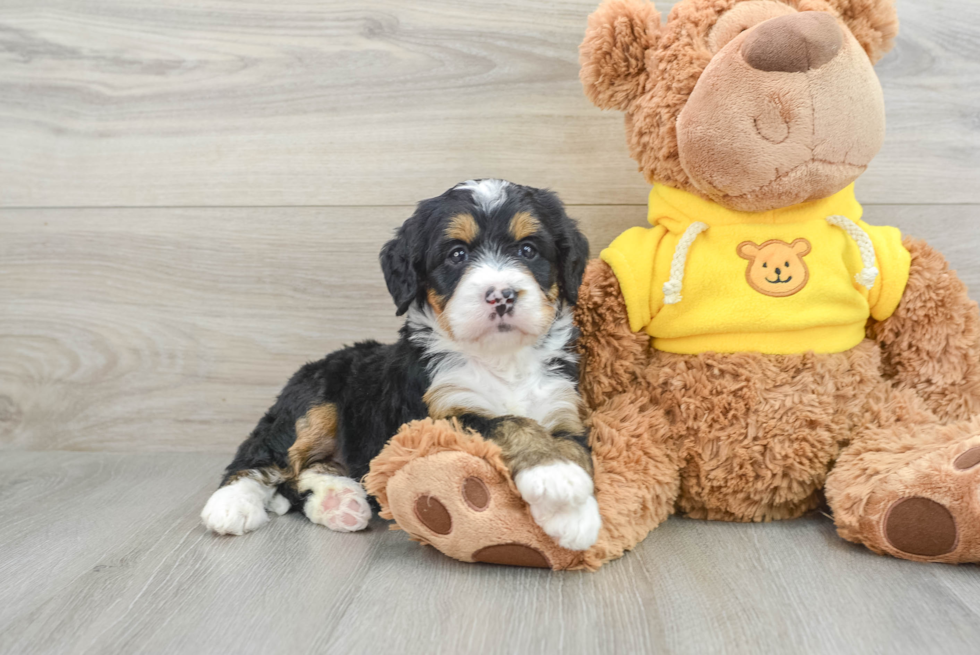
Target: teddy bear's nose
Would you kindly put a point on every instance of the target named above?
(795, 43)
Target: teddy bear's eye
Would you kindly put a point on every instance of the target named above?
(765, 265)
(787, 264)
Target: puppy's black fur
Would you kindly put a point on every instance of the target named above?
(375, 388)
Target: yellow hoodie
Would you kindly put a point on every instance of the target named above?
(705, 278)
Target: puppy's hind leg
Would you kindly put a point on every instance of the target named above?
(335, 501)
(329, 497)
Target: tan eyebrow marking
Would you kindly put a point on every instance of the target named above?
(523, 225)
(462, 227)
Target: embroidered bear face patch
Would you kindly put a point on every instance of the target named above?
(776, 268)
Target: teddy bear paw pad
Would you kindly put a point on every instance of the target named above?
(967, 460)
(433, 514)
(476, 494)
(920, 526)
(512, 555)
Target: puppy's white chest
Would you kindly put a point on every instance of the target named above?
(527, 396)
(530, 390)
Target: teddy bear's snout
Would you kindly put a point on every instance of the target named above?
(795, 43)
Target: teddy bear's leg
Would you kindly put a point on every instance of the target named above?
(909, 486)
(451, 489)
(931, 344)
(637, 472)
(612, 356)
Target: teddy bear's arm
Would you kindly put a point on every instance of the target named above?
(931, 344)
(612, 354)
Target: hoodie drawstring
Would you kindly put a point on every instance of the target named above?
(672, 287)
(869, 273)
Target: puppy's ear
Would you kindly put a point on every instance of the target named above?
(574, 255)
(613, 54)
(401, 261)
(571, 244)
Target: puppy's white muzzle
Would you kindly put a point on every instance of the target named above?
(499, 300)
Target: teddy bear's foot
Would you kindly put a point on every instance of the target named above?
(928, 509)
(450, 489)
(940, 516)
(465, 508)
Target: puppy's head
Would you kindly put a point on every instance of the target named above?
(493, 260)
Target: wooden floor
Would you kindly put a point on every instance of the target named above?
(103, 553)
(192, 199)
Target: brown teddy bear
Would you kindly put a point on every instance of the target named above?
(759, 347)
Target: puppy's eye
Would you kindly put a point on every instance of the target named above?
(527, 251)
(458, 255)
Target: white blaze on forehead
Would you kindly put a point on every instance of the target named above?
(488, 194)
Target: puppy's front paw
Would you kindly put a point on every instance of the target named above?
(562, 503)
(236, 508)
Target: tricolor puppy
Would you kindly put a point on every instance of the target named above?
(487, 274)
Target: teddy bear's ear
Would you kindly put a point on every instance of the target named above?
(874, 24)
(613, 53)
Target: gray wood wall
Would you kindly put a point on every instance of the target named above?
(193, 195)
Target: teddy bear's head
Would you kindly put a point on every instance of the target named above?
(753, 104)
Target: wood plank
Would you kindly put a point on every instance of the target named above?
(183, 318)
(173, 329)
(112, 557)
(103, 553)
(121, 103)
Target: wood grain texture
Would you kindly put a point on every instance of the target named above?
(173, 329)
(103, 553)
(380, 102)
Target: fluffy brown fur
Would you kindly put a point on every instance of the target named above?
(931, 345)
(609, 350)
(874, 23)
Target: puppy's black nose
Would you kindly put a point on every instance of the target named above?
(501, 309)
(504, 296)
